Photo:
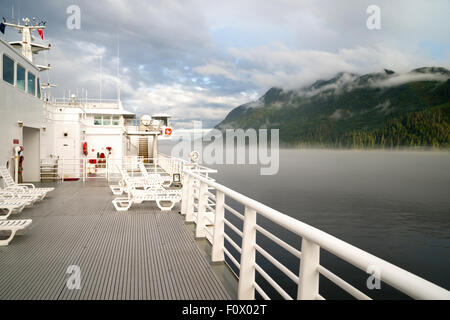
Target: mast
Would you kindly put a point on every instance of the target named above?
(28, 48)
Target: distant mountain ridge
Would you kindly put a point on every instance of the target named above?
(352, 110)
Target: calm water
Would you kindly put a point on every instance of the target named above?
(395, 205)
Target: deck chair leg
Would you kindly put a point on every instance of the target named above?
(19, 209)
(118, 204)
(7, 241)
(4, 217)
(165, 208)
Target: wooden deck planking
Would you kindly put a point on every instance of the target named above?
(140, 254)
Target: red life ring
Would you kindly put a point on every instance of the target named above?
(85, 151)
(168, 131)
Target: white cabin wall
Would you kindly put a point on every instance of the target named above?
(48, 141)
(16, 105)
(99, 142)
(134, 146)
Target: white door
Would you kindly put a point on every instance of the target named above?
(69, 166)
(31, 154)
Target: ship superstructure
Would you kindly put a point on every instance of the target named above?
(74, 128)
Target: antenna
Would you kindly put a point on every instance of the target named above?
(118, 70)
(101, 78)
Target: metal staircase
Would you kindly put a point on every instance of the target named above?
(143, 147)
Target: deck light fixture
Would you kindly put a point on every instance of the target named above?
(176, 179)
(20, 123)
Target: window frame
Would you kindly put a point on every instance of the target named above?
(25, 80)
(115, 120)
(38, 88)
(14, 70)
(101, 120)
(34, 84)
(107, 118)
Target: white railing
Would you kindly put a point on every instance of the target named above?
(61, 169)
(204, 203)
(176, 165)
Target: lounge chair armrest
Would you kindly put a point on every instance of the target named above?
(15, 188)
(27, 184)
(8, 193)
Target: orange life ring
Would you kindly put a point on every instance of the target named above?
(168, 131)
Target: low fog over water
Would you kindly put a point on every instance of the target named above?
(393, 204)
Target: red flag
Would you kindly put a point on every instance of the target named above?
(41, 33)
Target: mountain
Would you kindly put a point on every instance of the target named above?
(383, 109)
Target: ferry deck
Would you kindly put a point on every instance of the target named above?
(143, 253)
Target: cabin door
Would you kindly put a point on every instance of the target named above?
(68, 164)
(31, 154)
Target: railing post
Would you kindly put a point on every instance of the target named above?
(190, 200)
(84, 169)
(62, 170)
(308, 288)
(185, 194)
(201, 213)
(107, 168)
(217, 253)
(246, 289)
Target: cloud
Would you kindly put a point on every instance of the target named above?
(280, 66)
(200, 55)
(397, 80)
(184, 103)
(216, 70)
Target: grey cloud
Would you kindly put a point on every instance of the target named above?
(168, 45)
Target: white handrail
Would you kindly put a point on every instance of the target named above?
(314, 240)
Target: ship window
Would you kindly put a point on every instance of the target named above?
(31, 84)
(20, 77)
(116, 120)
(38, 87)
(98, 120)
(106, 120)
(8, 69)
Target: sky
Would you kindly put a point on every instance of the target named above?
(197, 60)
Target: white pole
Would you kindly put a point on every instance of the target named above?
(200, 231)
(184, 197)
(16, 168)
(308, 288)
(101, 78)
(217, 253)
(190, 200)
(246, 290)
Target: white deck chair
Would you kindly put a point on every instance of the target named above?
(12, 226)
(25, 187)
(126, 180)
(11, 194)
(154, 178)
(11, 206)
(159, 195)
